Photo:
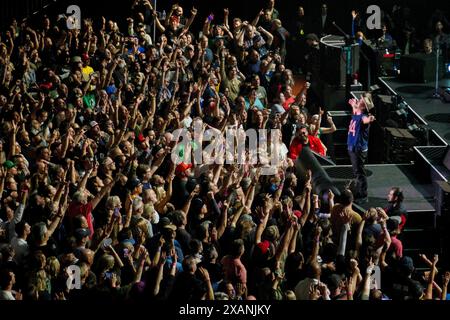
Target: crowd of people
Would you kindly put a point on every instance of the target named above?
(87, 180)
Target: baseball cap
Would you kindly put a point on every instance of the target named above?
(271, 233)
(264, 246)
(81, 233)
(111, 89)
(165, 223)
(76, 59)
(407, 264)
(277, 108)
(8, 164)
(54, 94)
(312, 36)
(93, 123)
(170, 226)
(134, 183)
(182, 167)
(130, 241)
(141, 137)
(297, 213)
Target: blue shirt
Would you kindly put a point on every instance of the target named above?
(257, 104)
(358, 134)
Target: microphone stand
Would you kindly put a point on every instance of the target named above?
(436, 94)
(348, 60)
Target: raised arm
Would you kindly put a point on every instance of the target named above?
(316, 246)
(191, 19)
(223, 219)
(103, 192)
(332, 127)
(60, 215)
(445, 281)
(268, 35)
(359, 235)
(366, 281)
(158, 23)
(256, 20)
(262, 225)
(283, 246)
(429, 290)
(226, 14)
(205, 275)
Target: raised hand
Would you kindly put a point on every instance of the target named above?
(204, 273)
(446, 278)
(370, 268)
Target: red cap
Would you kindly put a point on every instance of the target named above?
(141, 138)
(84, 57)
(182, 167)
(297, 213)
(264, 246)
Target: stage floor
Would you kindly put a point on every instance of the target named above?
(381, 177)
(419, 97)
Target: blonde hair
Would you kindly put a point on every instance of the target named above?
(53, 267)
(112, 202)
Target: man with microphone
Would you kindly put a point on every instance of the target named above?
(358, 144)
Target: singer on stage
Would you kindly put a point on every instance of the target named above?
(358, 145)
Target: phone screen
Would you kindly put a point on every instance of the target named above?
(375, 278)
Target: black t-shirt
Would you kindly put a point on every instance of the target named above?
(187, 288)
(49, 250)
(183, 237)
(396, 210)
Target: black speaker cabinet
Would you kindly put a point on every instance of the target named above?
(443, 199)
(420, 68)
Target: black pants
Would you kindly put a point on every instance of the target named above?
(358, 158)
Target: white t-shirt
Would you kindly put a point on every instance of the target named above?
(21, 249)
(6, 295)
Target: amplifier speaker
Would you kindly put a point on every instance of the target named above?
(420, 68)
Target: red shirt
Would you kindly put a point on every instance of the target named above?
(234, 271)
(396, 246)
(296, 147)
(288, 102)
(76, 208)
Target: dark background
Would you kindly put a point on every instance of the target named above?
(421, 10)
